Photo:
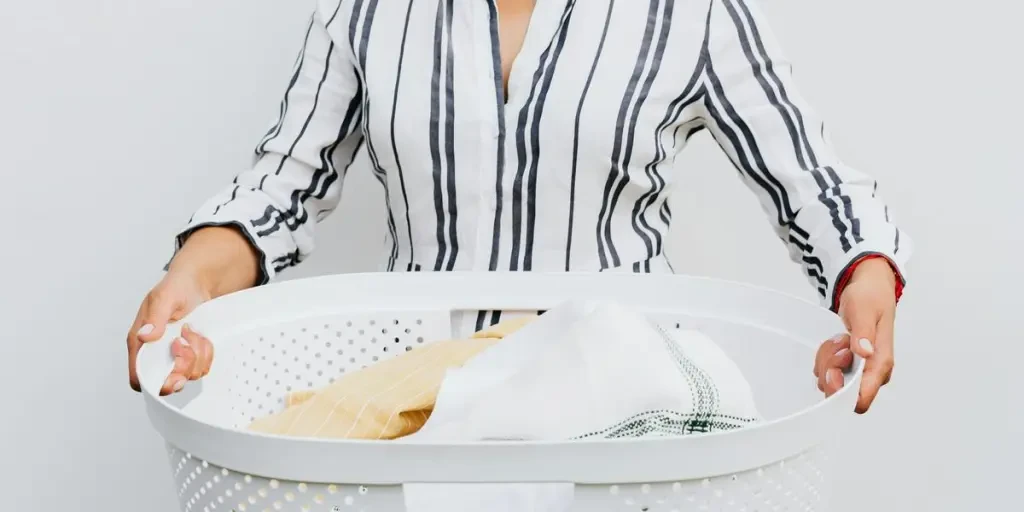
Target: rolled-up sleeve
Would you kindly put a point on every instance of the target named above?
(296, 177)
(828, 213)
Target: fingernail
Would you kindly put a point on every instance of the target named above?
(145, 329)
(185, 327)
(828, 376)
(865, 344)
(178, 386)
(842, 352)
(183, 342)
(838, 338)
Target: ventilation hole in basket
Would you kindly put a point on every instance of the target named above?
(629, 502)
(349, 500)
(363, 350)
(677, 487)
(613, 490)
(229, 493)
(332, 489)
(303, 487)
(705, 483)
(295, 341)
(408, 348)
(419, 340)
(645, 489)
(363, 490)
(289, 496)
(288, 388)
(309, 366)
(351, 342)
(340, 352)
(383, 331)
(419, 321)
(316, 336)
(241, 507)
(361, 332)
(408, 330)
(374, 358)
(385, 349)
(318, 499)
(373, 340)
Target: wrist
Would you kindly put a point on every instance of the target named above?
(869, 267)
(875, 268)
(218, 259)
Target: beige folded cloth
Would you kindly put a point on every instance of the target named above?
(388, 400)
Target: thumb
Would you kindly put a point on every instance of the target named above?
(158, 312)
(863, 325)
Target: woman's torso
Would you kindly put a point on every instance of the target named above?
(571, 172)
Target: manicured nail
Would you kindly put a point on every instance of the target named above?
(828, 376)
(865, 345)
(838, 338)
(842, 352)
(145, 329)
(178, 386)
(185, 327)
(183, 342)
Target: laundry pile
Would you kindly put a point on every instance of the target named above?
(582, 370)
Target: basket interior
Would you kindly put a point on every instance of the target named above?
(256, 368)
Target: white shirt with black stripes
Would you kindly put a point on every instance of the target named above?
(573, 168)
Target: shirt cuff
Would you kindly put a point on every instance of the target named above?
(847, 274)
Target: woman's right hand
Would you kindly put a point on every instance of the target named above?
(175, 296)
(213, 261)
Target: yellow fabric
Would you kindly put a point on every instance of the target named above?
(388, 400)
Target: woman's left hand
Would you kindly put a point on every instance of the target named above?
(868, 308)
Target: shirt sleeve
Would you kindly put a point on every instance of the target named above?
(828, 213)
(296, 176)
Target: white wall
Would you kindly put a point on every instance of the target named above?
(117, 117)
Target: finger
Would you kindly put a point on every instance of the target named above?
(863, 323)
(184, 360)
(160, 310)
(826, 350)
(833, 381)
(878, 368)
(203, 350)
(133, 348)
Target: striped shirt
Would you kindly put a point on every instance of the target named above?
(571, 170)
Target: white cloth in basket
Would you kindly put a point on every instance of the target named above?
(582, 370)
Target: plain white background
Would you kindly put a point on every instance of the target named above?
(118, 117)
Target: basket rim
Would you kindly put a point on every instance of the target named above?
(394, 462)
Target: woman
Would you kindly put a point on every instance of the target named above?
(513, 135)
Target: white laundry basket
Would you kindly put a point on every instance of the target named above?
(302, 334)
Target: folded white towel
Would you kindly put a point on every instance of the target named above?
(582, 370)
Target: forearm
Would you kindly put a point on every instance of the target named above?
(220, 258)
